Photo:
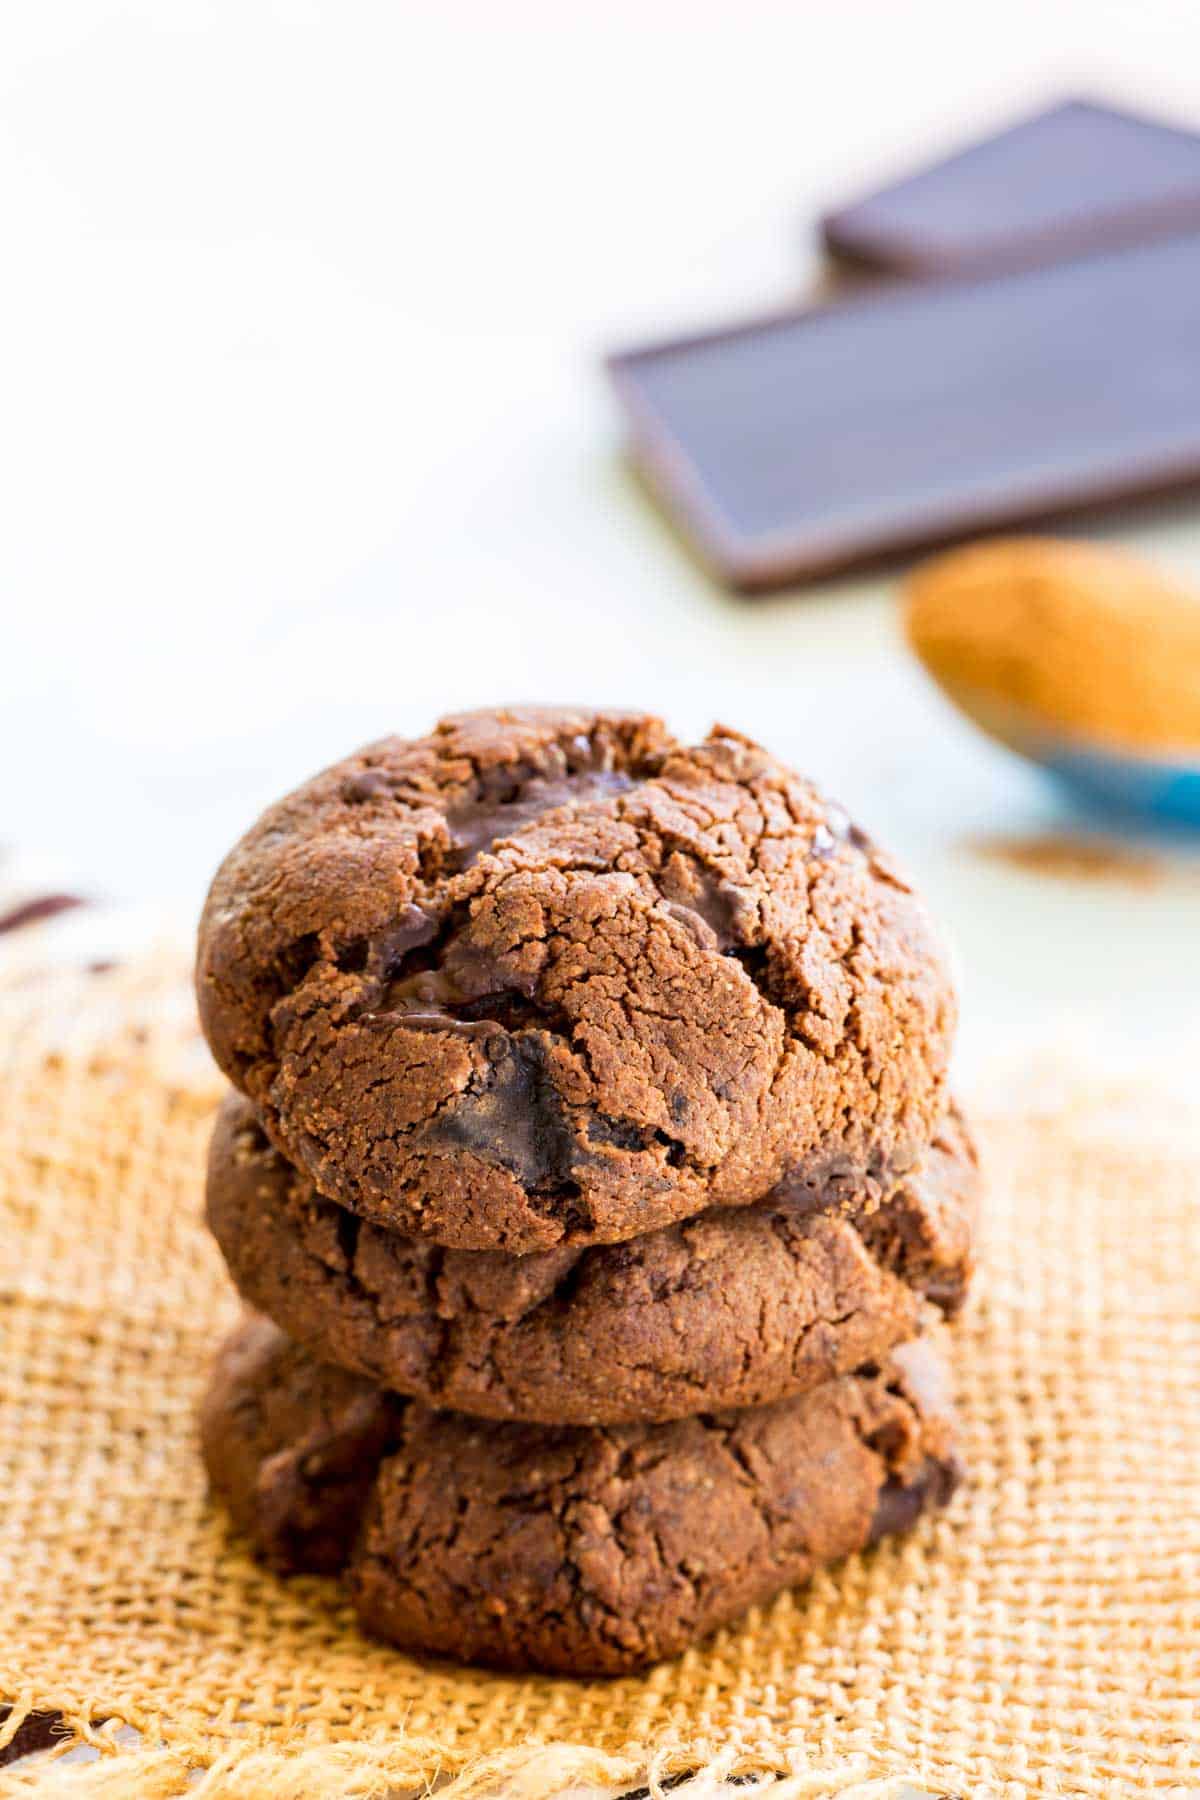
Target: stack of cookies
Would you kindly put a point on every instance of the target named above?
(591, 1175)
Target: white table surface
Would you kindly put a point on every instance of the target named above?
(303, 437)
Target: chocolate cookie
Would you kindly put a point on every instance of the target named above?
(548, 977)
(292, 1446)
(584, 1551)
(731, 1308)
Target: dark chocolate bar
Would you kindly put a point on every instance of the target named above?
(1078, 176)
(811, 441)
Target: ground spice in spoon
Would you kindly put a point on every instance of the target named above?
(1085, 638)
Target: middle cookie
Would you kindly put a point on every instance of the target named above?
(734, 1308)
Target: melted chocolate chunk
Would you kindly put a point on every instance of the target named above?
(900, 1504)
(627, 1134)
(452, 986)
(383, 955)
(504, 799)
(412, 930)
(505, 1010)
(461, 985)
(433, 1019)
(516, 1120)
(624, 1134)
(709, 906)
(508, 799)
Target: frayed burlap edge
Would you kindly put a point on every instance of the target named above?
(414, 1765)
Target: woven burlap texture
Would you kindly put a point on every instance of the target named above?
(1042, 1637)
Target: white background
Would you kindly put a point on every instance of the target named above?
(303, 436)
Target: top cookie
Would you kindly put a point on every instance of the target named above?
(550, 977)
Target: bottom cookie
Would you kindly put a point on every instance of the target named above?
(576, 1550)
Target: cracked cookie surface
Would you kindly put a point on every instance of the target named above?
(549, 977)
(732, 1308)
(584, 1551)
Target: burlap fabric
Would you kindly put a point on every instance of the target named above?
(1042, 1638)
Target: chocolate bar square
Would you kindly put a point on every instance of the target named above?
(1076, 176)
(810, 441)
